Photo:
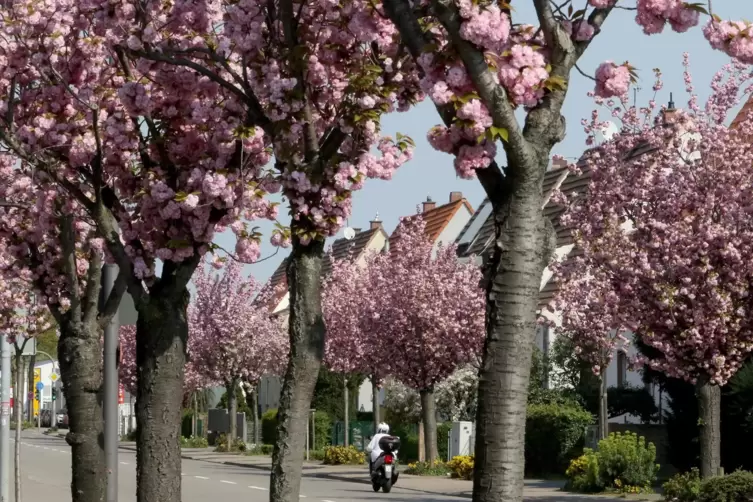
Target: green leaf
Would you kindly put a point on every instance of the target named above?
(698, 7)
(500, 132)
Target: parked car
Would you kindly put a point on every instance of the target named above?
(62, 419)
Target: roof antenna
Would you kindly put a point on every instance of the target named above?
(671, 104)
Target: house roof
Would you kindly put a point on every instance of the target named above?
(341, 248)
(485, 235)
(438, 218)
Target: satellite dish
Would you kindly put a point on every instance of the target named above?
(606, 133)
(349, 233)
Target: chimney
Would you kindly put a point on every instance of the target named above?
(429, 204)
(558, 162)
(357, 230)
(456, 196)
(669, 113)
(376, 223)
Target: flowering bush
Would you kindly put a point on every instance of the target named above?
(238, 445)
(194, 442)
(343, 455)
(462, 466)
(683, 487)
(624, 462)
(438, 468)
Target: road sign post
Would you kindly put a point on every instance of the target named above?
(110, 404)
(5, 420)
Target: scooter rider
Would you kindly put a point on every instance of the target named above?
(373, 448)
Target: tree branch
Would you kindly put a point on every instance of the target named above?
(113, 301)
(68, 251)
(93, 286)
(492, 94)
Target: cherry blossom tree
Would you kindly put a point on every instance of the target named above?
(50, 246)
(667, 242)
(160, 120)
(479, 63)
(351, 304)
(22, 318)
(236, 337)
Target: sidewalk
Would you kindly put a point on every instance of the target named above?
(535, 490)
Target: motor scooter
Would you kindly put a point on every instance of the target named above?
(384, 471)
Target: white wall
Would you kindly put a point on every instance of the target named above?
(456, 225)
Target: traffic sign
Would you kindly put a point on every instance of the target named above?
(54, 377)
(40, 386)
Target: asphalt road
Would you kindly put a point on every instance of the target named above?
(46, 464)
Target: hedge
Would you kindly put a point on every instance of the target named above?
(554, 434)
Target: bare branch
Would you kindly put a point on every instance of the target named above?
(584, 73)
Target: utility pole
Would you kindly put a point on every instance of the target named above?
(109, 273)
(5, 420)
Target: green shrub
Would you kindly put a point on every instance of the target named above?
(628, 461)
(623, 463)
(186, 423)
(261, 450)
(317, 455)
(239, 445)
(322, 430)
(340, 455)
(443, 433)
(583, 474)
(553, 432)
(194, 442)
(735, 487)
(461, 467)
(269, 426)
(683, 487)
(438, 468)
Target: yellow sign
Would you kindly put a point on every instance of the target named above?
(37, 378)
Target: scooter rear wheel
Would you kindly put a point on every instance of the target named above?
(387, 486)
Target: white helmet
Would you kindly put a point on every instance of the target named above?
(383, 428)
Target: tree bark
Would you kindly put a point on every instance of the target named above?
(80, 357)
(603, 408)
(30, 379)
(709, 420)
(18, 404)
(375, 403)
(232, 408)
(255, 410)
(524, 243)
(307, 337)
(346, 418)
(161, 340)
(429, 418)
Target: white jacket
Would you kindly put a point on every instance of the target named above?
(373, 448)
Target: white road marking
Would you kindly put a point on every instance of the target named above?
(258, 488)
(302, 496)
(325, 500)
(228, 482)
(200, 477)
(124, 463)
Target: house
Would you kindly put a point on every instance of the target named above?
(477, 240)
(443, 223)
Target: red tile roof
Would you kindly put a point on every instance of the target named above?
(438, 218)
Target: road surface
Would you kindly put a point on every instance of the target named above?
(46, 468)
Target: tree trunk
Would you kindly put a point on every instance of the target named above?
(603, 408)
(194, 415)
(709, 415)
(375, 403)
(307, 337)
(421, 442)
(255, 409)
(429, 418)
(232, 408)
(80, 355)
(32, 389)
(524, 243)
(161, 340)
(347, 418)
(18, 404)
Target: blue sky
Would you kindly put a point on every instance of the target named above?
(430, 173)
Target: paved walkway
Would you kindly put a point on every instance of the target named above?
(535, 490)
